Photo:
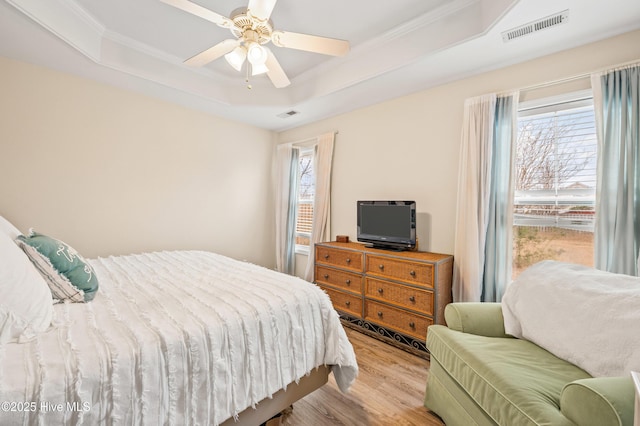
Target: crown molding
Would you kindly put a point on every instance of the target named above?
(66, 20)
(400, 47)
(445, 26)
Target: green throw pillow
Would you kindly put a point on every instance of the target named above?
(69, 275)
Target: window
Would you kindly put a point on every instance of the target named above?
(306, 192)
(555, 184)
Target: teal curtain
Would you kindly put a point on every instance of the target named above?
(617, 233)
(292, 217)
(287, 159)
(498, 245)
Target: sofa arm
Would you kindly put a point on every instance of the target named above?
(599, 401)
(484, 319)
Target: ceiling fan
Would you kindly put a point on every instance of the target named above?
(253, 29)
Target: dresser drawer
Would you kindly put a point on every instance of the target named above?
(407, 271)
(401, 295)
(346, 259)
(345, 302)
(412, 324)
(337, 278)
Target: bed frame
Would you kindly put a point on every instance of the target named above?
(267, 408)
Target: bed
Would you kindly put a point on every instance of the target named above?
(182, 337)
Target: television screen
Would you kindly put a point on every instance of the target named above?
(387, 224)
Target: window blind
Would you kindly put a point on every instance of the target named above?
(556, 167)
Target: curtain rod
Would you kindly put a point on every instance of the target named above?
(305, 141)
(578, 76)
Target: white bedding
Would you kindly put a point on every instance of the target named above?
(588, 317)
(173, 338)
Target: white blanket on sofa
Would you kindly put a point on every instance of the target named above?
(585, 316)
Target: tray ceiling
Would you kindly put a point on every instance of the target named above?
(397, 47)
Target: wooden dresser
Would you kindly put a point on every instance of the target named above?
(391, 295)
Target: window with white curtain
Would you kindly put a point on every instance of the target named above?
(555, 182)
(306, 193)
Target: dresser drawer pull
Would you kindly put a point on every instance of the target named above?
(412, 298)
(412, 273)
(381, 267)
(380, 290)
(412, 324)
(380, 314)
(326, 256)
(348, 260)
(348, 303)
(326, 276)
(348, 282)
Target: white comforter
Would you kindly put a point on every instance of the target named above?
(173, 338)
(588, 317)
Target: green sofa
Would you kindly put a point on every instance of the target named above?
(481, 376)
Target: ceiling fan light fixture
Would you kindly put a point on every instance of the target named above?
(236, 57)
(256, 54)
(259, 69)
(252, 29)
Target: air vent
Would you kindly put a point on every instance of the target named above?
(535, 26)
(288, 114)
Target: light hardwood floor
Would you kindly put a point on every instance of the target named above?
(388, 391)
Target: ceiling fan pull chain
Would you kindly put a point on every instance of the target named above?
(247, 78)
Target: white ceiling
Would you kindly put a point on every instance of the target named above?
(397, 47)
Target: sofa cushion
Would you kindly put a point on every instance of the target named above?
(513, 380)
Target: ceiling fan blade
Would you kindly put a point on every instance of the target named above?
(200, 11)
(213, 53)
(261, 9)
(310, 43)
(276, 74)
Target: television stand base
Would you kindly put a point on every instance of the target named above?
(388, 248)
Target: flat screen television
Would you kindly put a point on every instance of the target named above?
(387, 224)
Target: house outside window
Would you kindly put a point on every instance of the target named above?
(555, 183)
(306, 192)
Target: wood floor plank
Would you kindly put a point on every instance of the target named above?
(388, 391)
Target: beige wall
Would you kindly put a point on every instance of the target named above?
(113, 172)
(408, 148)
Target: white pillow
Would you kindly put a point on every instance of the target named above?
(26, 306)
(7, 228)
